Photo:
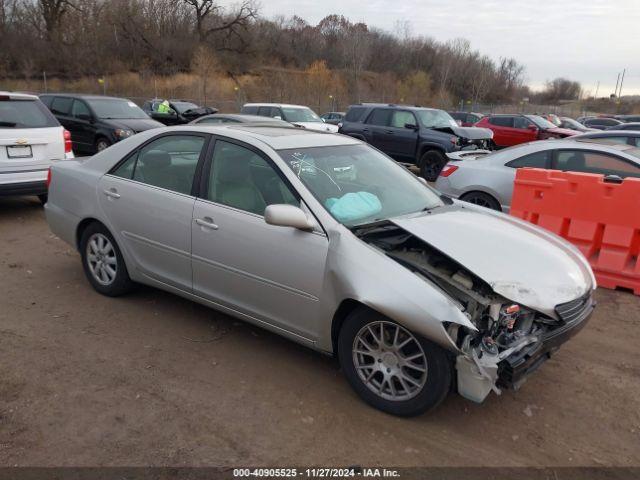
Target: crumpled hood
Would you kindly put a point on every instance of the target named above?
(320, 126)
(563, 132)
(473, 133)
(518, 260)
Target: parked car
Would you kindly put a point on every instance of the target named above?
(509, 130)
(628, 118)
(417, 135)
(466, 119)
(296, 114)
(571, 124)
(221, 118)
(625, 126)
(325, 240)
(601, 123)
(31, 139)
(625, 137)
(180, 111)
(95, 121)
(487, 178)
(334, 118)
(552, 117)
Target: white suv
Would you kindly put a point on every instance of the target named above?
(30, 140)
(296, 114)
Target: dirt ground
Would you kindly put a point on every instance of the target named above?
(152, 379)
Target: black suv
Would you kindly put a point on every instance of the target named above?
(422, 136)
(95, 122)
(180, 112)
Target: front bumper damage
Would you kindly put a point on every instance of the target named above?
(480, 371)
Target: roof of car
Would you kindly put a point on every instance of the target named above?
(286, 105)
(275, 136)
(607, 133)
(241, 117)
(392, 105)
(82, 96)
(18, 96)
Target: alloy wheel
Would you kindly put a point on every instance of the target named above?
(101, 259)
(389, 360)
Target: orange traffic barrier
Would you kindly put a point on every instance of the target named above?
(601, 218)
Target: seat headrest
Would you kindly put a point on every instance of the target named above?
(233, 169)
(575, 162)
(156, 158)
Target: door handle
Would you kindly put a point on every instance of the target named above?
(207, 223)
(112, 193)
(390, 132)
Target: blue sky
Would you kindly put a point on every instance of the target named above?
(585, 40)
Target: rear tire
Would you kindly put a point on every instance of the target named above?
(431, 163)
(482, 199)
(403, 381)
(103, 263)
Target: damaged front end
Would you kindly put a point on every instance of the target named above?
(470, 138)
(510, 341)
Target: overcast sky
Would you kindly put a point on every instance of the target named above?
(585, 40)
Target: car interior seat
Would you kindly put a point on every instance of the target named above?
(233, 185)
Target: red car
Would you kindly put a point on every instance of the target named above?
(511, 130)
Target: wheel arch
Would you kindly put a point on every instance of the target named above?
(426, 147)
(82, 226)
(485, 191)
(346, 307)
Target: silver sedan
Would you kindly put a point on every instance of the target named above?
(486, 178)
(325, 240)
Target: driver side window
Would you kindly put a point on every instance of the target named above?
(400, 118)
(242, 179)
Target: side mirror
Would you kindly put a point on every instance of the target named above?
(411, 126)
(278, 117)
(287, 216)
(459, 122)
(533, 128)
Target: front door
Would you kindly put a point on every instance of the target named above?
(274, 274)
(148, 201)
(399, 141)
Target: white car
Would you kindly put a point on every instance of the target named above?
(296, 114)
(31, 139)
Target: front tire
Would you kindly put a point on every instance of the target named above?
(431, 163)
(391, 368)
(102, 144)
(103, 262)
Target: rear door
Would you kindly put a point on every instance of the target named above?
(502, 127)
(376, 126)
(30, 139)
(148, 200)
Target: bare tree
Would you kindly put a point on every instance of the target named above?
(210, 19)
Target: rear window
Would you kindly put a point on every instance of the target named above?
(355, 114)
(61, 105)
(25, 114)
(250, 110)
(501, 121)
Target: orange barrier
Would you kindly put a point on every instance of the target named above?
(601, 218)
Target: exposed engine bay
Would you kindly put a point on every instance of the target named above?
(508, 342)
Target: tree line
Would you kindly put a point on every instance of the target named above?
(267, 58)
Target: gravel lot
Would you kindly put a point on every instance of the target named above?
(152, 379)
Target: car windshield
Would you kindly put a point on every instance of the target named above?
(114, 108)
(435, 119)
(300, 115)
(541, 122)
(357, 184)
(182, 107)
(25, 114)
(572, 123)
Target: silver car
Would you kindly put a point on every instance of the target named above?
(325, 240)
(486, 179)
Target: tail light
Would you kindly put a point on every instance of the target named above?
(448, 169)
(67, 140)
(48, 178)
